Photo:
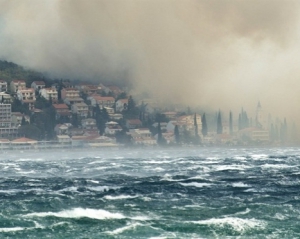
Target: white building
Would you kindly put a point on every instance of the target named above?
(16, 85)
(261, 118)
(3, 85)
(38, 85)
(102, 101)
(27, 94)
(48, 93)
(69, 93)
(81, 109)
(6, 128)
(111, 128)
(121, 104)
(89, 123)
(5, 98)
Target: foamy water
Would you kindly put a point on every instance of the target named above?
(172, 193)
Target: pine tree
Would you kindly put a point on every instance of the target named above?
(131, 103)
(204, 125)
(240, 122)
(196, 126)
(272, 133)
(219, 124)
(230, 123)
(176, 133)
(23, 122)
(160, 139)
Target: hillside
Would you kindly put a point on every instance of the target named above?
(11, 71)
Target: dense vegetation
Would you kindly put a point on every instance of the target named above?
(10, 71)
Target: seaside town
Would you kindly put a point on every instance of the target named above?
(43, 114)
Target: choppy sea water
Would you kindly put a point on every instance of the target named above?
(173, 193)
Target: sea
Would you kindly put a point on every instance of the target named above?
(150, 193)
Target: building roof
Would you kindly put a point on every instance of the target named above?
(4, 141)
(17, 114)
(23, 140)
(88, 120)
(74, 99)
(3, 81)
(63, 136)
(81, 104)
(28, 101)
(111, 123)
(104, 98)
(70, 89)
(50, 89)
(60, 106)
(26, 89)
(124, 101)
(134, 121)
(18, 81)
(39, 82)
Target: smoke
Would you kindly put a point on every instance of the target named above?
(209, 53)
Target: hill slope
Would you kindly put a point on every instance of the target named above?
(10, 71)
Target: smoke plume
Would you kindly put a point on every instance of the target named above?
(209, 53)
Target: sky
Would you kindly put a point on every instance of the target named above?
(201, 53)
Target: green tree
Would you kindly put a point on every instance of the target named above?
(131, 104)
(75, 120)
(30, 131)
(160, 138)
(219, 124)
(176, 134)
(23, 122)
(230, 123)
(204, 125)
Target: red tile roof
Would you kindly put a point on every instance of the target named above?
(18, 81)
(60, 106)
(134, 121)
(103, 98)
(124, 101)
(39, 82)
(24, 140)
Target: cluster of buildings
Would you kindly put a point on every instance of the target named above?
(68, 100)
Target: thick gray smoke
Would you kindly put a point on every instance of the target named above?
(209, 53)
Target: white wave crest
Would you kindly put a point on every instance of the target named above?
(101, 188)
(79, 213)
(238, 224)
(243, 212)
(120, 197)
(11, 229)
(195, 184)
(125, 228)
(240, 185)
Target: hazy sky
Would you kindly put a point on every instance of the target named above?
(209, 53)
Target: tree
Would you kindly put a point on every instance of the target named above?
(131, 104)
(30, 131)
(160, 138)
(197, 137)
(23, 122)
(204, 125)
(176, 133)
(230, 123)
(123, 138)
(195, 125)
(219, 124)
(75, 120)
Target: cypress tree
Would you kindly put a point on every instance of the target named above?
(176, 133)
(159, 135)
(23, 122)
(219, 124)
(196, 125)
(230, 123)
(204, 125)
